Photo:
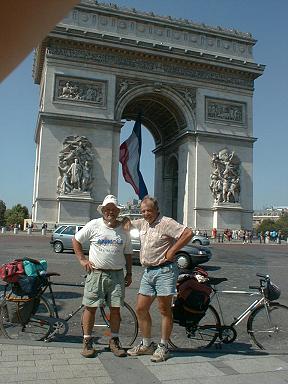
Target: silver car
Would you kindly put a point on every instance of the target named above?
(61, 239)
(200, 240)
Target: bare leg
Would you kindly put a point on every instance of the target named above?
(164, 305)
(115, 319)
(88, 320)
(114, 342)
(144, 319)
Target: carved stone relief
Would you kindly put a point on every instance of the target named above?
(80, 90)
(225, 111)
(125, 84)
(75, 165)
(225, 177)
(189, 95)
(140, 64)
(175, 30)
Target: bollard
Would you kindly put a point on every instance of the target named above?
(15, 231)
(3, 230)
(43, 231)
(29, 231)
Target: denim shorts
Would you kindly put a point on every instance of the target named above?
(159, 281)
(104, 289)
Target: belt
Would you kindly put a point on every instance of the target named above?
(160, 265)
(107, 270)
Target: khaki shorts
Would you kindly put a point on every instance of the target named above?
(104, 289)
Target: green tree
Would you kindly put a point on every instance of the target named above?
(2, 212)
(16, 215)
(266, 225)
(282, 225)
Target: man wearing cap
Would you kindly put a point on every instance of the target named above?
(161, 237)
(109, 254)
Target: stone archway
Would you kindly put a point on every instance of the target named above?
(194, 86)
(165, 114)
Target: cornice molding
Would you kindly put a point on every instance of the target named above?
(63, 119)
(148, 63)
(197, 135)
(114, 9)
(109, 25)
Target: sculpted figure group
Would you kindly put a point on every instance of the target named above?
(81, 91)
(225, 177)
(75, 166)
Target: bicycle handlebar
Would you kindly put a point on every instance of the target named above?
(266, 277)
(253, 287)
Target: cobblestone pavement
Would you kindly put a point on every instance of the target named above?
(60, 364)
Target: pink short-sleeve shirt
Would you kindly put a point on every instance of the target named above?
(157, 238)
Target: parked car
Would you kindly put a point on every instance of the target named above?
(191, 255)
(61, 239)
(200, 240)
(187, 257)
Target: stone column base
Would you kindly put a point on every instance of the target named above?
(227, 215)
(74, 208)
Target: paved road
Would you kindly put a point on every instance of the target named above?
(238, 262)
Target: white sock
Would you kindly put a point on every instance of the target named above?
(146, 341)
(87, 336)
(164, 342)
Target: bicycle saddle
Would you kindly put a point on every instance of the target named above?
(217, 280)
(49, 274)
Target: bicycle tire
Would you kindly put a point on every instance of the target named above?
(128, 327)
(269, 334)
(31, 330)
(199, 335)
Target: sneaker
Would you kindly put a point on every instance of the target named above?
(115, 347)
(88, 350)
(161, 354)
(142, 349)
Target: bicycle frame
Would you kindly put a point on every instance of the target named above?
(246, 312)
(49, 286)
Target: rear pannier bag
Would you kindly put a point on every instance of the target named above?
(192, 300)
(19, 310)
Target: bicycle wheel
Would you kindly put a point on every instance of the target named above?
(196, 335)
(14, 326)
(268, 328)
(128, 326)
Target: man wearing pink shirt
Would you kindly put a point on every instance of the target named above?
(161, 237)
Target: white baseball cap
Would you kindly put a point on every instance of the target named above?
(109, 199)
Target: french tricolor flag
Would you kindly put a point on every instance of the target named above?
(130, 153)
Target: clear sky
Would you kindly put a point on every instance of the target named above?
(265, 19)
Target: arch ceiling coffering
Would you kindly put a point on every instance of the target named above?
(159, 114)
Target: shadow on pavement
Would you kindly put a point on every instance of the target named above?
(211, 267)
(220, 349)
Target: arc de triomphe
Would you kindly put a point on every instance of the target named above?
(194, 86)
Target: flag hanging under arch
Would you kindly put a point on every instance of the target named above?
(130, 153)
